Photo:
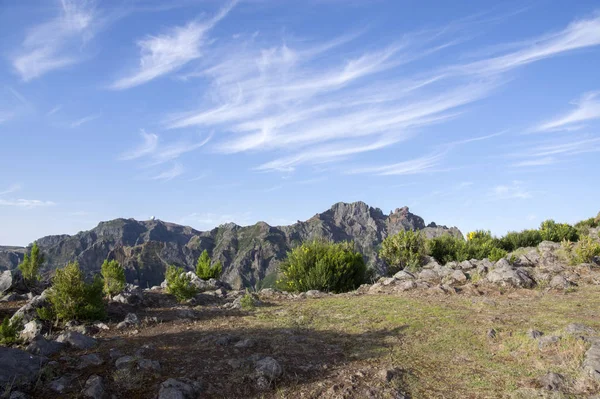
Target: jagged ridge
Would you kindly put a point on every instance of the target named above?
(249, 253)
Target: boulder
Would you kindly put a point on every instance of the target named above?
(12, 281)
(467, 264)
(125, 362)
(43, 347)
(405, 286)
(591, 361)
(31, 330)
(403, 275)
(457, 277)
(77, 340)
(60, 385)
(94, 388)
(552, 381)
(269, 368)
(91, 359)
(505, 275)
(28, 311)
(428, 275)
(548, 340)
(131, 295)
(181, 388)
(559, 282)
(579, 329)
(18, 368)
(130, 320)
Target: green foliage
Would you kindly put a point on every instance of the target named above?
(446, 248)
(179, 284)
(74, 299)
(405, 250)
(114, 277)
(204, 269)
(30, 267)
(514, 240)
(46, 313)
(9, 331)
(496, 254)
(247, 301)
(585, 250)
(552, 231)
(324, 266)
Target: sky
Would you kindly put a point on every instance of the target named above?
(480, 115)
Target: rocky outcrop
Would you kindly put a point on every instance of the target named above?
(248, 254)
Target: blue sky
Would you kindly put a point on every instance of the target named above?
(473, 114)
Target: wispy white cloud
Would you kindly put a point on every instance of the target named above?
(84, 120)
(588, 108)
(536, 162)
(175, 150)
(176, 170)
(5, 116)
(514, 190)
(170, 51)
(25, 203)
(57, 43)
(11, 189)
(555, 151)
(54, 110)
(411, 167)
(149, 145)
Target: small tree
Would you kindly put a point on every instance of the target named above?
(72, 298)
(204, 269)
(114, 277)
(552, 231)
(9, 330)
(30, 267)
(404, 250)
(179, 284)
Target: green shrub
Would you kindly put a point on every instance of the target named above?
(30, 267)
(72, 298)
(446, 248)
(515, 240)
(114, 277)
(405, 250)
(552, 231)
(204, 269)
(247, 301)
(496, 254)
(324, 266)
(179, 284)
(9, 331)
(585, 250)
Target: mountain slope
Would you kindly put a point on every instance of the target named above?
(249, 254)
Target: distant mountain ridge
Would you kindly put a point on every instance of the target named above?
(249, 254)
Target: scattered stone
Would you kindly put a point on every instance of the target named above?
(269, 368)
(224, 340)
(60, 385)
(547, 341)
(28, 311)
(77, 340)
(125, 362)
(181, 388)
(428, 275)
(149, 365)
(405, 285)
(314, 294)
(404, 275)
(131, 295)
(491, 333)
(579, 329)
(114, 353)
(41, 346)
(31, 330)
(388, 281)
(559, 282)
(101, 326)
(88, 360)
(94, 388)
(534, 334)
(18, 367)
(505, 275)
(245, 343)
(552, 382)
(130, 320)
(591, 361)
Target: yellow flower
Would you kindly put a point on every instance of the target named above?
(470, 235)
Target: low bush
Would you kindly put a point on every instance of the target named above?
(514, 240)
(114, 277)
(30, 266)
(552, 231)
(496, 254)
(204, 270)
(585, 250)
(446, 248)
(9, 331)
(324, 266)
(71, 298)
(179, 284)
(405, 250)
(247, 301)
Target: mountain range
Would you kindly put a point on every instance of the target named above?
(249, 254)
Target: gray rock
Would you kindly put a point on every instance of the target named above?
(31, 330)
(41, 346)
(457, 277)
(28, 311)
(315, 294)
(591, 361)
(148, 365)
(534, 334)
(125, 362)
(505, 275)
(131, 320)
(12, 281)
(388, 281)
(547, 341)
(403, 275)
(559, 282)
(466, 265)
(77, 340)
(181, 388)
(428, 275)
(552, 381)
(18, 367)
(548, 246)
(94, 388)
(491, 333)
(405, 285)
(88, 360)
(245, 343)
(60, 385)
(579, 329)
(131, 295)
(18, 395)
(269, 368)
